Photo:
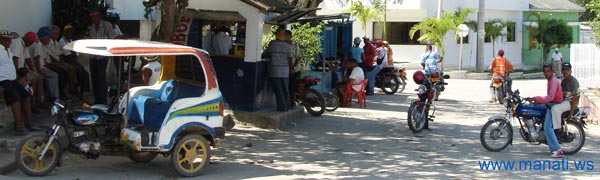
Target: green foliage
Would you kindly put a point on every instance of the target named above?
(364, 13)
(594, 6)
(493, 28)
(433, 30)
(76, 13)
(589, 14)
(305, 35)
(552, 32)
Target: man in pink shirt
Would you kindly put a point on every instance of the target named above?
(554, 96)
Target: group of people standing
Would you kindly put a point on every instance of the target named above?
(371, 58)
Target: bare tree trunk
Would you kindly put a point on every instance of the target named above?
(480, 34)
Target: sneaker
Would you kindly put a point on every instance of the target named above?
(558, 154)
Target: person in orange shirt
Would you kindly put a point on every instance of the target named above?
(500, 67)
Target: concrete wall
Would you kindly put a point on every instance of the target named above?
(25, 15)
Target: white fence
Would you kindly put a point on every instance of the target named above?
(585, 59)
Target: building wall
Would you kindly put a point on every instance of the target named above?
(532, 56)
(25, 15)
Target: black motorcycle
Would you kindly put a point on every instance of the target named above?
(388, 80)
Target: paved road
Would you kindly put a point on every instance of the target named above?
(352, 143)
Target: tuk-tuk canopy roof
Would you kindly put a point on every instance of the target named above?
(114, 47)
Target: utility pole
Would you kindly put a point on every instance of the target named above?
(480, 36)
(439, 16)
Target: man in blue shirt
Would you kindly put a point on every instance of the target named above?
(429, 61)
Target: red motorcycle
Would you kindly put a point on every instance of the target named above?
(311, 99)
(418, 112)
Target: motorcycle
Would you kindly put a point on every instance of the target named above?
(499, 128)
(311, 99)
(391, 79)
(501, 88)
(436, 83)
(419, 110)
(175, 117)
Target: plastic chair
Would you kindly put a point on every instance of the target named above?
(360, 94)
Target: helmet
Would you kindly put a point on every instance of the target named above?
(501, 52)
(418, 77)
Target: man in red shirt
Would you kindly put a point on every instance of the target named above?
(554, 96)
(369, 52)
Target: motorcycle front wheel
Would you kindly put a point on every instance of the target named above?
(332, 101)
(314, 102)
(28, 151)
(416, 119)
(573, 139)
(390, 85)
(496, 135)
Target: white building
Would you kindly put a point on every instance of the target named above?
(25, 15)
(402, 16)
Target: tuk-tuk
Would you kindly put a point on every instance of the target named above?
(181, 115)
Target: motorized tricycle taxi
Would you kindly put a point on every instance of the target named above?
(180, 116)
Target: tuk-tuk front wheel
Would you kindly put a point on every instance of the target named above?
(190, 155)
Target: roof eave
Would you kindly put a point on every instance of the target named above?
(558, 10)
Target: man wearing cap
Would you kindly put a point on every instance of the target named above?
(570, 89)
(99, 29)
(357, 52)
(15, 95)
(40, 55)
(557, 60)
(21, 56)
(83, 77)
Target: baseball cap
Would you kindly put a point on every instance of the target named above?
(566, 65)
(357, 40)
(379, 42)
(30, 36)
(43, 33)
(68, 26)
(8, 34)
(94, 12)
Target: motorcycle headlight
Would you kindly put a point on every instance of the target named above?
(422, 89)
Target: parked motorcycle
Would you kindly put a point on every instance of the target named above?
(391, 79)
(311, 99)
(497, 133)
(436, 83)
(419, 111)
(501, 88)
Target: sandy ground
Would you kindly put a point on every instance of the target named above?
(353, 143)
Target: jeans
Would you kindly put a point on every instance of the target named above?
(282, 96)
(371, 80)
(98, 74)
(294, 84)
(548, 128)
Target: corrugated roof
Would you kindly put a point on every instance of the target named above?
(554, 5)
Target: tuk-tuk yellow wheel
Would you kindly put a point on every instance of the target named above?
(29, 149)
(190, 155)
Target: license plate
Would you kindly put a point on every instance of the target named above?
(434, 79)
(497, 84)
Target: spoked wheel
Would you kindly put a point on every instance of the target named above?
(190, 155)
(416, 118)
(142, 157)
(496, 135)
(314, 102)
(402, 85)
(331, 101)
(390, 85)
(28, 151)
(573, 139)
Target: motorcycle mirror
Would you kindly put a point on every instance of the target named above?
(446, 76)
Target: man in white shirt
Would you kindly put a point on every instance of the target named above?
(356, 76)
(15, 95)
(21, 56)
(222, 41)
(557, 59)
(83, 77)
(39, 57)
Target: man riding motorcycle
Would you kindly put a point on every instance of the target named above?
(553, 97)
(500, 67)
(429, 61)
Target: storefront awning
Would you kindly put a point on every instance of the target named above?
(214, 15)
(290, 17)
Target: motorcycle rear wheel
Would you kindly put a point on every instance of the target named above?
(416, 121)
(500, 95)
(314, 102)
(391, 85)
(575, 134)
(502, 129)
(28, 150)
(402, 84)
(332, 102)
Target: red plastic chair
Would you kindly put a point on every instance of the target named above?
(360, 94)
